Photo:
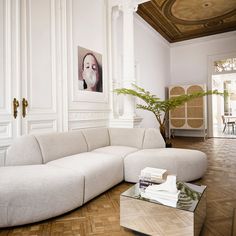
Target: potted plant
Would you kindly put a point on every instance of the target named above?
(160, 108)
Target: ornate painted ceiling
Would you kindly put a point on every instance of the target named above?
(178, 20)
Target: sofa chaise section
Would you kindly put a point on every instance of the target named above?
(187, 165)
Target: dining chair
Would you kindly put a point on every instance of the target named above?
(228, 124)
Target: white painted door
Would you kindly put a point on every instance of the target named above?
(40, 66)
(29, 68)
(9, 126)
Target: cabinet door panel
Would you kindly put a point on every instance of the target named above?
(39, 81)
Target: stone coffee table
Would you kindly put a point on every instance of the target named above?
(152, 218)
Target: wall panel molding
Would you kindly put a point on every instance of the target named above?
(88, 119)
(3, 155)
(5, 130)
(86, 109)
(41, 126)
(88, 115)
(77, 125)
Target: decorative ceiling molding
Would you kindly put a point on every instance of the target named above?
(178, 20)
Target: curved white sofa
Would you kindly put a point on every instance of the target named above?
(50, 174)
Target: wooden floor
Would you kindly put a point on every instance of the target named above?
(101, 215)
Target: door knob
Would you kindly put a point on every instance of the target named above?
(24, 106)
(15, 106)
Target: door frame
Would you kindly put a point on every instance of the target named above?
(211, 59)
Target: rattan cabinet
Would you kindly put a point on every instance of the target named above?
(191, 115)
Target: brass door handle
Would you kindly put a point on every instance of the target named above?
(24, 106)
(15, 106)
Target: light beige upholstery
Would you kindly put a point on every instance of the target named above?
(37, 192)
(101, 171)
(96, 138)
(127, 137)
(186, 164)
(120, 151)
(78, 166)
(153, 139)
(25, 150)
(58, 145)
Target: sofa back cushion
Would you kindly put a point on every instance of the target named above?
(153, 139)
(96, 138)
(132, 137)
(58, 145)
(24, 150)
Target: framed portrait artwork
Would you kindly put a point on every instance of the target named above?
(89, 70)
(88, 85)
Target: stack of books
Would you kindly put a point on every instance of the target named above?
(165, 193)
(166, 198)
(150, 176)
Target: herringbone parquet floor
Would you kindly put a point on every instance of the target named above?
(101, 215)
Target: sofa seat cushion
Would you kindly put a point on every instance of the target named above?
(187, 164)
(101, 171)
(33, 193)
(121, 151)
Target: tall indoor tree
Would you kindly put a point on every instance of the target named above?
(160, 108)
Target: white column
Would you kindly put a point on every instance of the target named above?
(115, 79)
(129, 118)
(128, 7)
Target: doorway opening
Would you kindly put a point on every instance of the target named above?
(224, 107)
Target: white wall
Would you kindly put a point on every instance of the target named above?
(152, 55)
(191, 63)
(152, 64)
(189, 59)
(86, 27)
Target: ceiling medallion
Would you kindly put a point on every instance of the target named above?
(207, 4)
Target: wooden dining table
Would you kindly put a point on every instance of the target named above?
(230, 118)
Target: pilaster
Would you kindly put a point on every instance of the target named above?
(129, 117)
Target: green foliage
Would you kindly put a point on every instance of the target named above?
(160, 108)
(192, 194)
(187, 196)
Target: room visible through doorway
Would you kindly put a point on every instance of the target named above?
(224, 107)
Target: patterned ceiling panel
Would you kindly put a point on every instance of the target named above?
(178, 20)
